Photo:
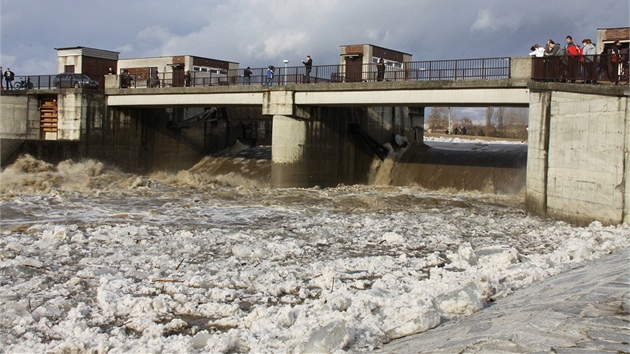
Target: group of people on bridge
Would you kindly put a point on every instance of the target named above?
(581, 64)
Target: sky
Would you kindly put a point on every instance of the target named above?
(259, 33)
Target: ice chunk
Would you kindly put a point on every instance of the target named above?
(464, 258)
(498, 255)
(329, 338)
(200, 339)
(464, 301)
(58, 233)
(406, 320)
(248, 251)
(393, 237)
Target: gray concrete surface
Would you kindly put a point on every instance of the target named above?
(584, 310)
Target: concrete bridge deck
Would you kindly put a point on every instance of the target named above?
(466, 93)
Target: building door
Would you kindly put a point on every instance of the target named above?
(48, 117)
(354, 69)
(68, 69)
(178, 76)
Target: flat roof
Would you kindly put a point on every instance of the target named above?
(376, 46)
(184, 55)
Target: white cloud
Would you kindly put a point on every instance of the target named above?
(124, 49)
(263, 32)
(488, 21)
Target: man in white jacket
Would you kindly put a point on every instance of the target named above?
(537, 51)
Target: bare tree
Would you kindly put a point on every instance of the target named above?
(467, 122)
(501, 115)
(438, 118)
(489, 126)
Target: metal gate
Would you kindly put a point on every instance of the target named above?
(47, 116)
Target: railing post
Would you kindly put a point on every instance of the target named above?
(455, 74)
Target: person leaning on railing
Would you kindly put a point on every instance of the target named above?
(553, 65)
(616, 59)
(573, 55)
(589, 53)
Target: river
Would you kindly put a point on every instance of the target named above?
(211, 259)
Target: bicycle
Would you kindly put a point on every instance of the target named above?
(25, 84)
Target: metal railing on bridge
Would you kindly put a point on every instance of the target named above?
(581, 69)
(562, 68)
(46, 82)
(36, 82)
(461, 69)
(428, 70)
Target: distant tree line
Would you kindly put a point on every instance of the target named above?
(500, 122)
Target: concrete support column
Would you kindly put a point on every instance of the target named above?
(319, 151)
(70, 110)
(289, 166)
(78, 111)
(537, 152)
(577, 166)
(625, 112)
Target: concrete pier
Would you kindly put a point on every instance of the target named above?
(579, 143)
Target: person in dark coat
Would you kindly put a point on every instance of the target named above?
(308, 64)
(380, 70)
(8, 78)
(248, 75)
(616, 59)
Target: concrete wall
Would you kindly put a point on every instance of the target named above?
(163, 64)
(577, 167)
(76, 108)
(521, 68)
(78, 111)
(20, 117)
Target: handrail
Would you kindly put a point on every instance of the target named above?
(582, 69)
(562, 68)
(458, 69)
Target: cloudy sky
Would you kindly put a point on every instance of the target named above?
(258, 33)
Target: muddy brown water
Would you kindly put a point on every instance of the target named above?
(487, 167)
(493, 168)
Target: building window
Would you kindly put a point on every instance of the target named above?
(393, 64)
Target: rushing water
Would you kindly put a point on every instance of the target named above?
(213, 260)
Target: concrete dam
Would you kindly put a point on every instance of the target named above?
(326, 135)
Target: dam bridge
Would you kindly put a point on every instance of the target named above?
(578, 135)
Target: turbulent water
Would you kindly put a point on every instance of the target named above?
(211, 259)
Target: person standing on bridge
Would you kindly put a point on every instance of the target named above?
(308, 64)
(616, 59)
(248, 75)
(589, 53)
(155, 79)
(573, 52)
(380, 70)
(8, 78)
(270, 72)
